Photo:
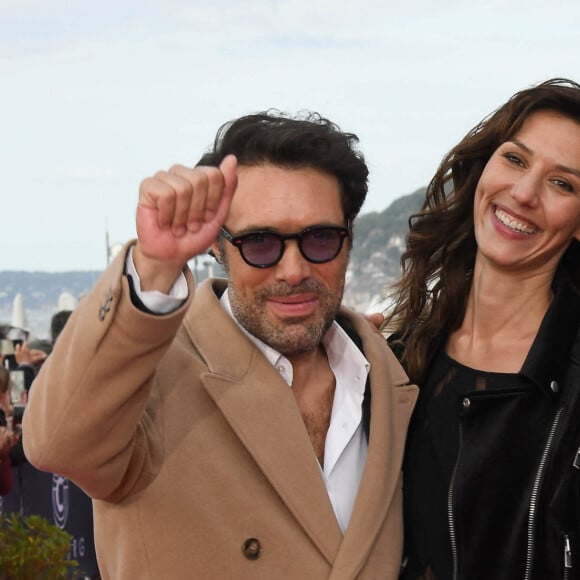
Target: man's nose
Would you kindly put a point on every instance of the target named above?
(293, 267)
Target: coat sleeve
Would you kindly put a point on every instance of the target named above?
(91, 411)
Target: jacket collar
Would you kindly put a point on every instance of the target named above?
(548, 357)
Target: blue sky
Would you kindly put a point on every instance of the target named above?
(98, 95)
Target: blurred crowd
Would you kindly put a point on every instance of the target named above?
(21, 357)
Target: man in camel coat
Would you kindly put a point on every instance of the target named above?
(247, 428)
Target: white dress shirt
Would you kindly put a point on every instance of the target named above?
(346, 446)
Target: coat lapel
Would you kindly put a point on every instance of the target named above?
(392, 403)
(262, 411)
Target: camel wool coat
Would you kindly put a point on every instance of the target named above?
(195, 453)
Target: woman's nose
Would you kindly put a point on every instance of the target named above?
(527, 189)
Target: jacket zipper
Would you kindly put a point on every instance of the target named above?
(535, 493)
(567, 557)
(450, 518)
(567, 547)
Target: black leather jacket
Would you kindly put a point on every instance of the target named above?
(513, 503)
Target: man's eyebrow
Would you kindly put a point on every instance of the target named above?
(275, 230)
(559, 166)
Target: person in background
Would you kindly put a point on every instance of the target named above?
(486, 320)
(31, 354)
(249, 427)
(29, 357)
(57, 323)
(8, 439)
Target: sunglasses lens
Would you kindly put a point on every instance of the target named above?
(321, 244)
(261, 249)
(264, 249)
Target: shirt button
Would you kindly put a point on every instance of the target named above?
(280, 369)
(251, 549)
(466, 403)
(554, 386)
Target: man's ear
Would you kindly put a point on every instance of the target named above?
(215, 252)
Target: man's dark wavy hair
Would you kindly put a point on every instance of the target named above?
(304, 140)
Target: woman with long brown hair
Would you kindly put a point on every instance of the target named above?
(486, 320)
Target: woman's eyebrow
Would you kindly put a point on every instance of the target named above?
(559, 166)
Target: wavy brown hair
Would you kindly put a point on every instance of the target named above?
(430, 298)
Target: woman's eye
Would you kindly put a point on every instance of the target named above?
(564, 185)
(515, 159)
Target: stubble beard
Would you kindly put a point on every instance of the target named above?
(292, 335)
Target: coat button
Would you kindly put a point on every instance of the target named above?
(554, 386)
(252, 549)
(466, 403)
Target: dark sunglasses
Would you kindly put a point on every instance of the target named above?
(263, 249)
